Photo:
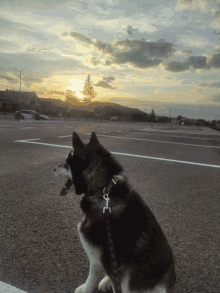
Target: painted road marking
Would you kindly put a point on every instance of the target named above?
(42, 143)
(174, 131)
(125, 154)
(184, 136)
(8, 288)
(161, 141)
(65, 136)
(26, 127)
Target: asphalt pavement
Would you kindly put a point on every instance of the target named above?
(176, 171)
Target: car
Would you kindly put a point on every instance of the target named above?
(114, 118)
(25, 114)
(43, 117)
(29, 114)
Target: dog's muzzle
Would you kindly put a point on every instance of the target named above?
(63, 172)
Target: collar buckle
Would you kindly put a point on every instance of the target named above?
(106, 194)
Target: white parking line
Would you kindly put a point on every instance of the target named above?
(65, 136)
(26, 127)
(42, 143)
(125, 154)
(8, 288)
(170, 135)
(172, 130)
(161, 141)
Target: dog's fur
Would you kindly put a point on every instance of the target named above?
(145, 258)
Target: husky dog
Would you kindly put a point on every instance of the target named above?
(143, 260)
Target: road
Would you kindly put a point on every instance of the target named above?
(176, 172)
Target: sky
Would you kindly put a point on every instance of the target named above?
(161, 54)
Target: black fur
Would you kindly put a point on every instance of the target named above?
(141, 246)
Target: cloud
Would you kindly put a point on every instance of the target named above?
(109, 79)
(78, 36)
(216, 33)
(17, 28)
(130, 30)
(197, 62)
(40, 5)
(215, 98)
(214, 61)
(177, 66)
(138, 53)
(215, 84)
(105, 82)
(9, 79)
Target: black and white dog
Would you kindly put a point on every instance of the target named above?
(143, 260)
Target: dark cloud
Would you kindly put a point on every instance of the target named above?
(197, 62)
(216, 33)
(159, 48)
(214, 61)
(139, 53)
(130, 30)
(215, 98)
(203, 84)
(9, 79)
(177, 66)
(104, 84)
(215, 84)
(104, 47)
(109, 79)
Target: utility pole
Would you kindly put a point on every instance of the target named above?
(20, 81)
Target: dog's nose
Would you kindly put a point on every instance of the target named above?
(55, 169)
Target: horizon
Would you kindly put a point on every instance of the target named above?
(140, 55)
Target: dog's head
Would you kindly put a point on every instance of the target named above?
(89, 167)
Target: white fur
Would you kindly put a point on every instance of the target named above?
(95, 265)
(62, 173)
(105, 284)
(125, 287)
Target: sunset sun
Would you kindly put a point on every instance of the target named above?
(76, 86)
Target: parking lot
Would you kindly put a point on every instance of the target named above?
(176, 171)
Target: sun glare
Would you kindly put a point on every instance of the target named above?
(76, 86)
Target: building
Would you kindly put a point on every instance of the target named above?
(10, 101)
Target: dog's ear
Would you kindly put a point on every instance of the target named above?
(94, 140)
(76, 141)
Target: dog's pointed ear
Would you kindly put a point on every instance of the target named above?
(76, 141)
(94, 140)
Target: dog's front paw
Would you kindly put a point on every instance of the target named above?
(80, 289)
(105, 284)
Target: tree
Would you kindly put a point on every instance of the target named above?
(152, 115)
(88, 91)
(179, 117)
(71, 98)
